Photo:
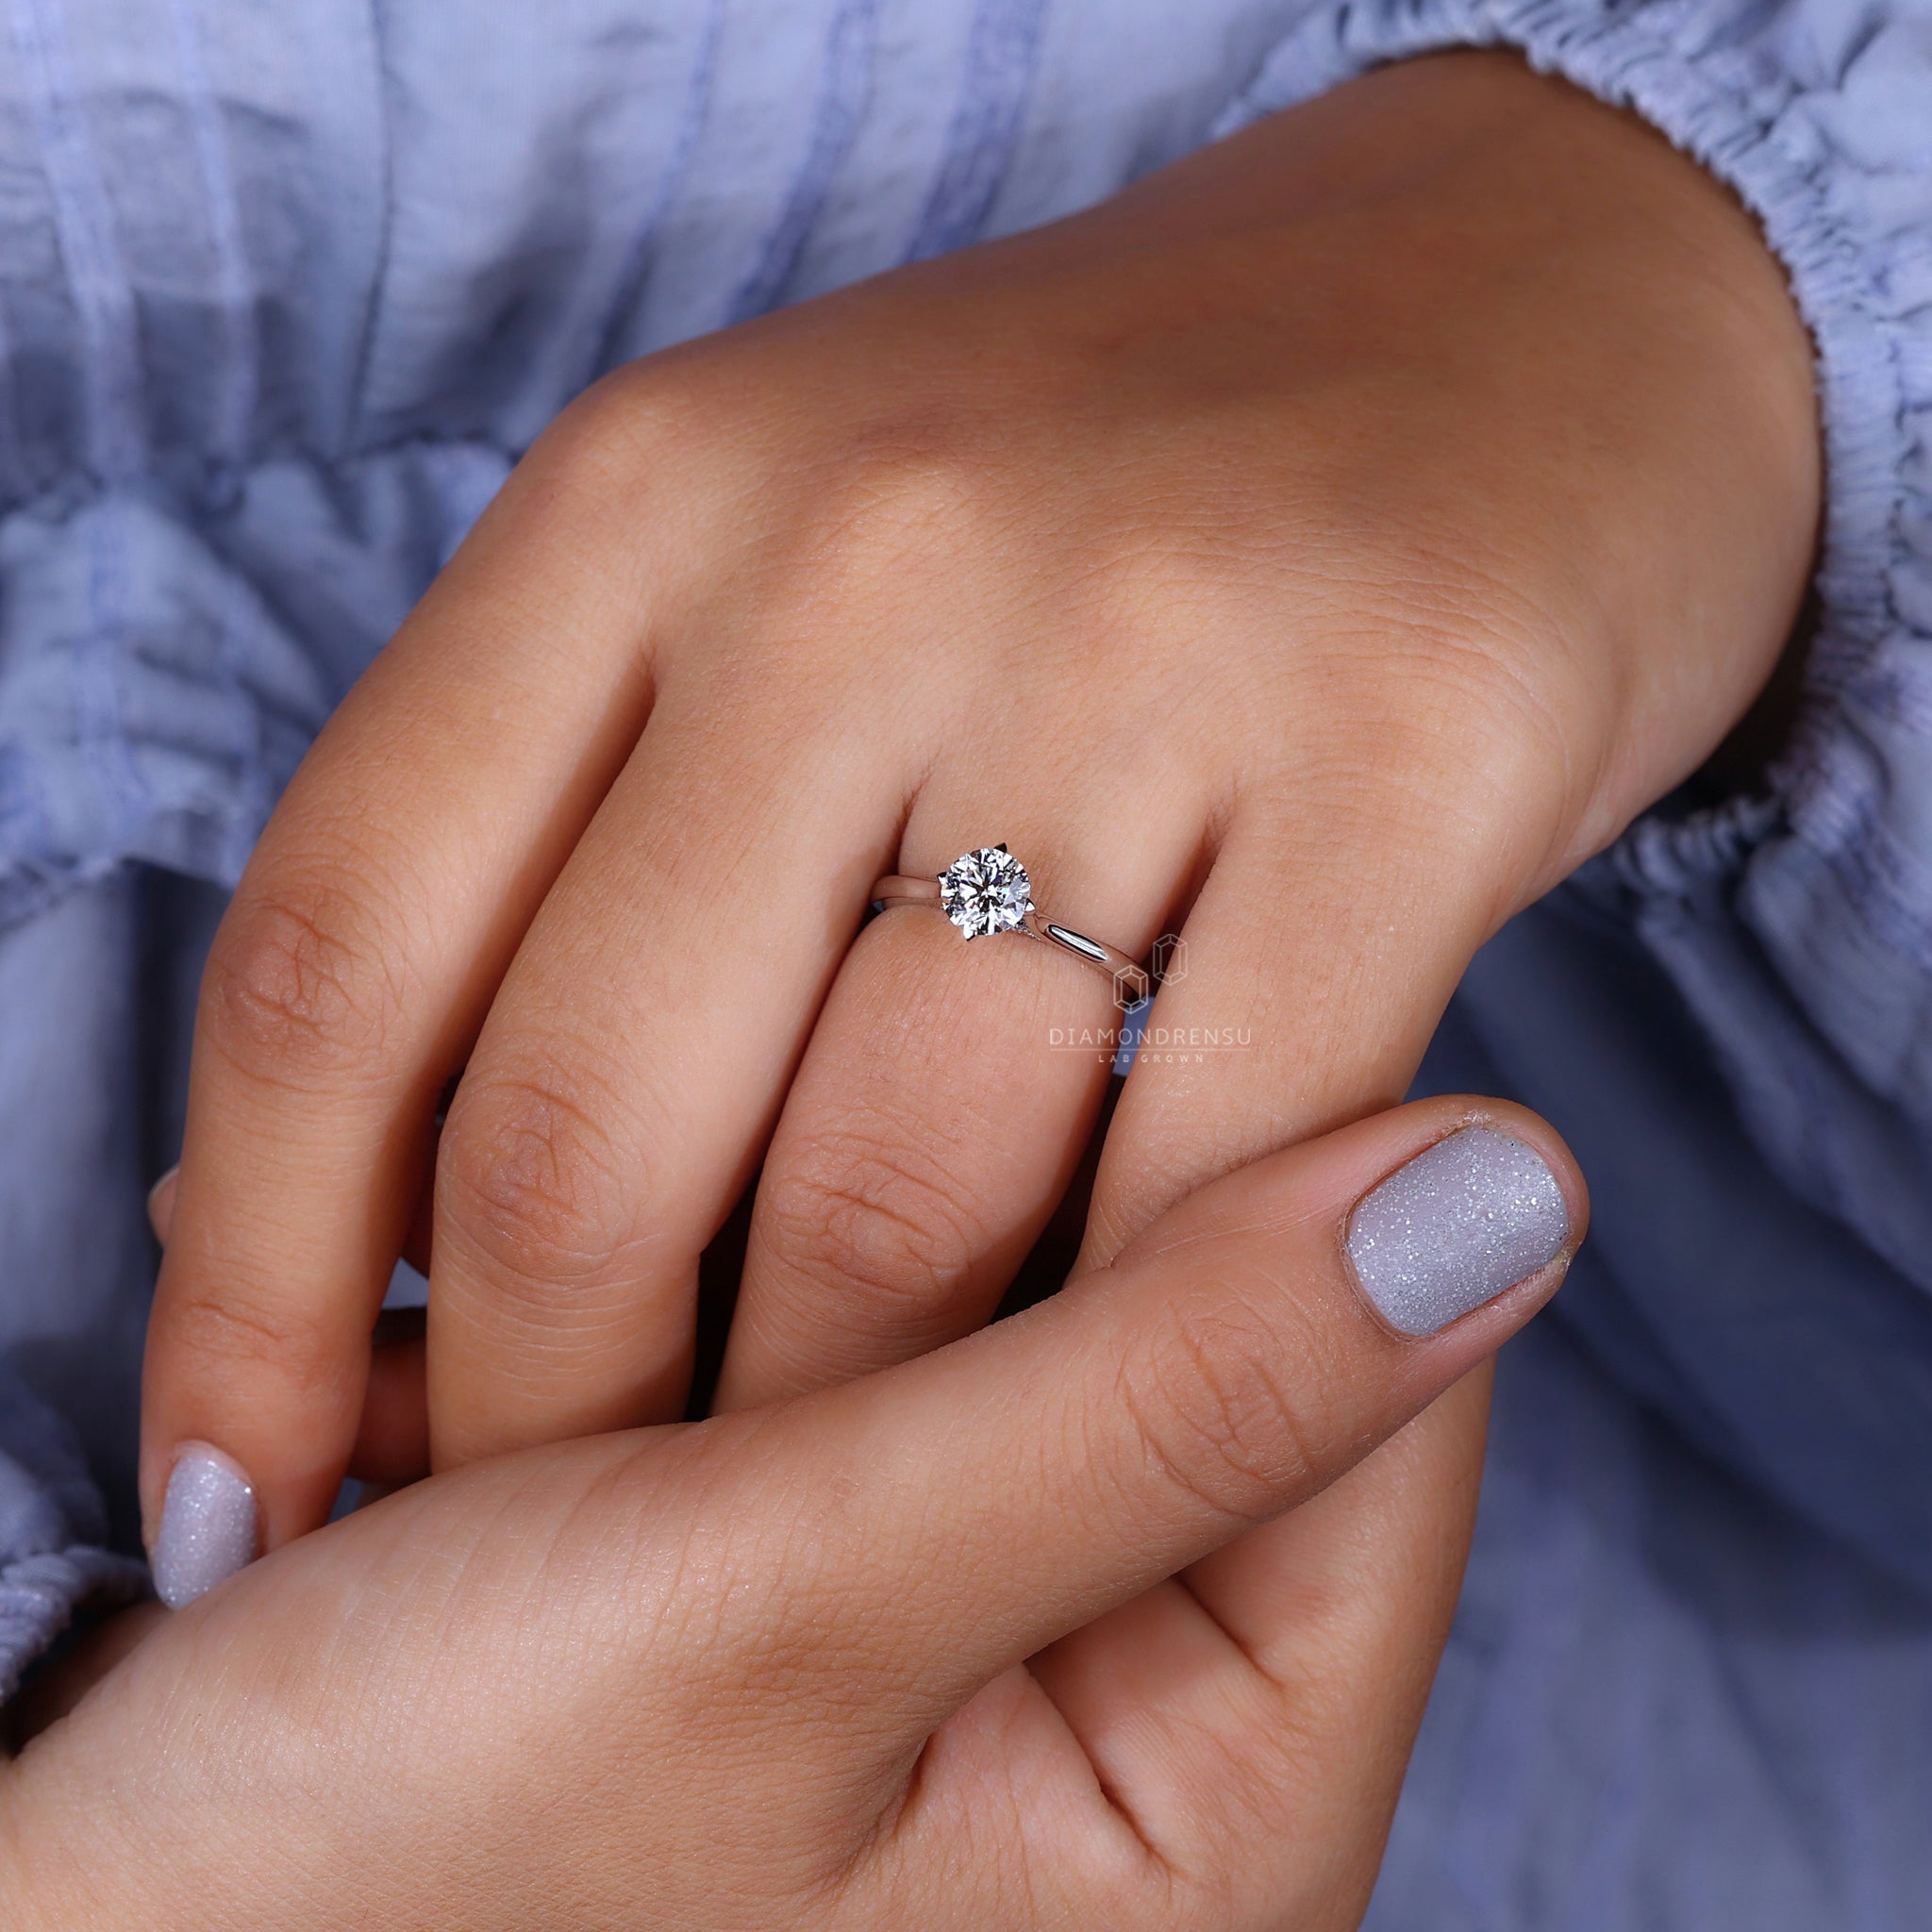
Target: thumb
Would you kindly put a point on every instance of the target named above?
(1252, 1345)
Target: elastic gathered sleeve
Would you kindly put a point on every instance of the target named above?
(1797, 926)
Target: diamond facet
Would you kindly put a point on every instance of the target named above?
(986, 891)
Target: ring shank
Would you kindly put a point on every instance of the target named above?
(1128, 976)
(903, 891)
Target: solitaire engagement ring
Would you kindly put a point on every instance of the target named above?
(988, 892)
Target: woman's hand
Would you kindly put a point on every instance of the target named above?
(897, 1654)
(1328, 543)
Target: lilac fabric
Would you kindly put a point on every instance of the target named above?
(285, 291)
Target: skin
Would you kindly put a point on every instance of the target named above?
(1121, 1612)
(1320, 549)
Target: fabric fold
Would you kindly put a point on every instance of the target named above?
(161, 673)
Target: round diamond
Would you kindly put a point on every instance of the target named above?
(986, 891)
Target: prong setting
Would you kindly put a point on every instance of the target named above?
(986, 891)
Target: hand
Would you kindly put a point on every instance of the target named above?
(898, 1654)
(1327, 543)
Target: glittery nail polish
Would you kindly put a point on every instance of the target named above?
(208, 1525)
(1465, 1218)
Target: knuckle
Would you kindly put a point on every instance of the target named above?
(878, 1227)
(1149, 581)
(894, 488)
(532, 1181)
(1214, 1413)
(613, 435)
(232, 1335)
(296, 983)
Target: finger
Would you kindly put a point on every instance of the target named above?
(160, 1204)
(393, 1439)
(1266, 1700)
(1251, 1347)
(945, 1097)
(616, 1102)
(391, 1443)
(1338, 920)
(160, 1217)
(357, 960)
(418, 1241)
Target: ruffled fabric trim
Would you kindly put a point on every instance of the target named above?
(54, 1564)
(41, 1595)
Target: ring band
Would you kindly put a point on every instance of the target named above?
(987, 891)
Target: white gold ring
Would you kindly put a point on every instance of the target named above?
(987, 891)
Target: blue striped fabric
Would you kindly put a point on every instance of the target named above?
(284, 291)
(1000, 57)
(846, 79)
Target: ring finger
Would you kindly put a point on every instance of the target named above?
(946, 1094)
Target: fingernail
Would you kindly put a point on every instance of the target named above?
(208, 1525)
(160, 1204)
(1466, 1218)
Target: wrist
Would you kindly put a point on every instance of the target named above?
(1550, 369)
